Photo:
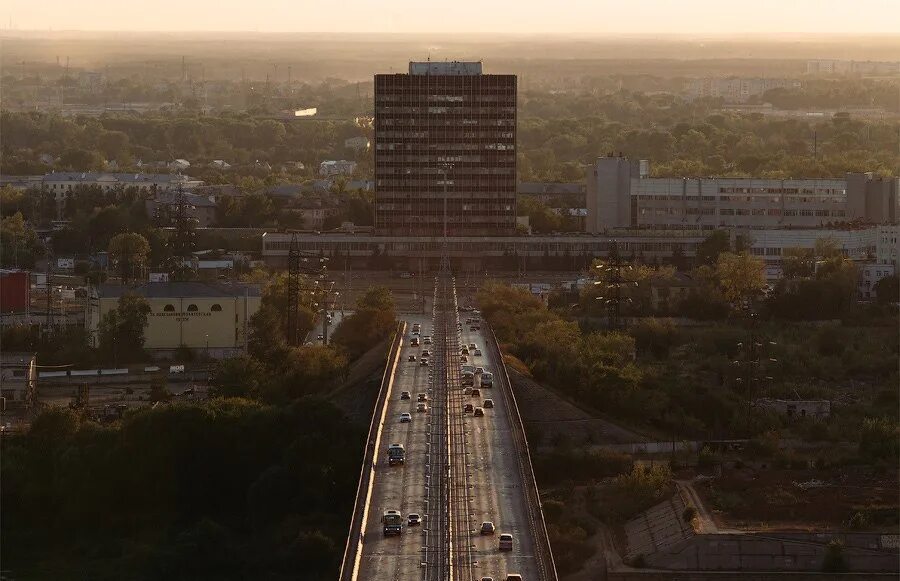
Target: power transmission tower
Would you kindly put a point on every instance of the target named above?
(753, 365)
(48, 323)
(184, 236)
(293, 290)
(311, 270)
(611, 281)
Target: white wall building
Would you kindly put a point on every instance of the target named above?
(340, 167)
(620, 194)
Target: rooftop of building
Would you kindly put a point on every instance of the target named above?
(445, 68)
(118, 177)
(192, 289)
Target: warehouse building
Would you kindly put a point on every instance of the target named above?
(205, 317)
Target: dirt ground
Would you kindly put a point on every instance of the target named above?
(784, 499)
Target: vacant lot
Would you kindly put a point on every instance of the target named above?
(808, 499)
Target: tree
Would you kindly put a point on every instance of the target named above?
(121, 330)
(741, 277)
(18, 242)
(712, 246)
(129, 252)
(238, 377)
(372, 321)
(887, 290)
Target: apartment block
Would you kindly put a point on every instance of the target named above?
(445, 151)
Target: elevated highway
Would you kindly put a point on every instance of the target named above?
(459, 470)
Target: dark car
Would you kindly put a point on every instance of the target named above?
(468, 408)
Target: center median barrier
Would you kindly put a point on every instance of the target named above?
(355, 538)
(543, 552)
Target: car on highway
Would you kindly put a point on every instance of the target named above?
(422, 397)
(479, 370)
(320, 337)
(473, 346)
(426, 353)
(405, 417)
(468, 408)
(487, 579)
(463, 359)
(413, 519)
(478, 413)
(412, 357)
(513, 577)
(487, 380)
(404, 395)
(427, 339)
(474, 328)
(464, 351)
(506, 542)
(423, 362)
(421, 407)
(478, 353)
(467, 390)
(487, 528)
(488, 404)
(414, 342)
(476, 392)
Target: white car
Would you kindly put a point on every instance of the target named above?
(479, 370)
(405, 417)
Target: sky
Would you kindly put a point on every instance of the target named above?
(583, 17)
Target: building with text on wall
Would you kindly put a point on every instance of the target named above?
(200, 316)
(445, 141)
(621, 194)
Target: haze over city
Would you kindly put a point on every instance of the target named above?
(582, 17)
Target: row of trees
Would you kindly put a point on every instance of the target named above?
(682, 382)
(255, 483)
(83, 143)
(230, 489)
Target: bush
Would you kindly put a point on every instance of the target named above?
(654, 336)
(834, 561)
(689, 514)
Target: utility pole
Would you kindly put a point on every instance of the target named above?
(49, 314)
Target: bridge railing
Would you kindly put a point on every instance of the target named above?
(355, 538)
(543, 552)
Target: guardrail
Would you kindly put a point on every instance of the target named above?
(353, 548)
(543, 552)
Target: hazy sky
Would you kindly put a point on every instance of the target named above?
(508, 16)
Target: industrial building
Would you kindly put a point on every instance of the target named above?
(621, 194)
(564, 251)
(205, 317)
(445, 143)
(15, 291)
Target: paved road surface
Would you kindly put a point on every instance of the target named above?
(496, 492)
